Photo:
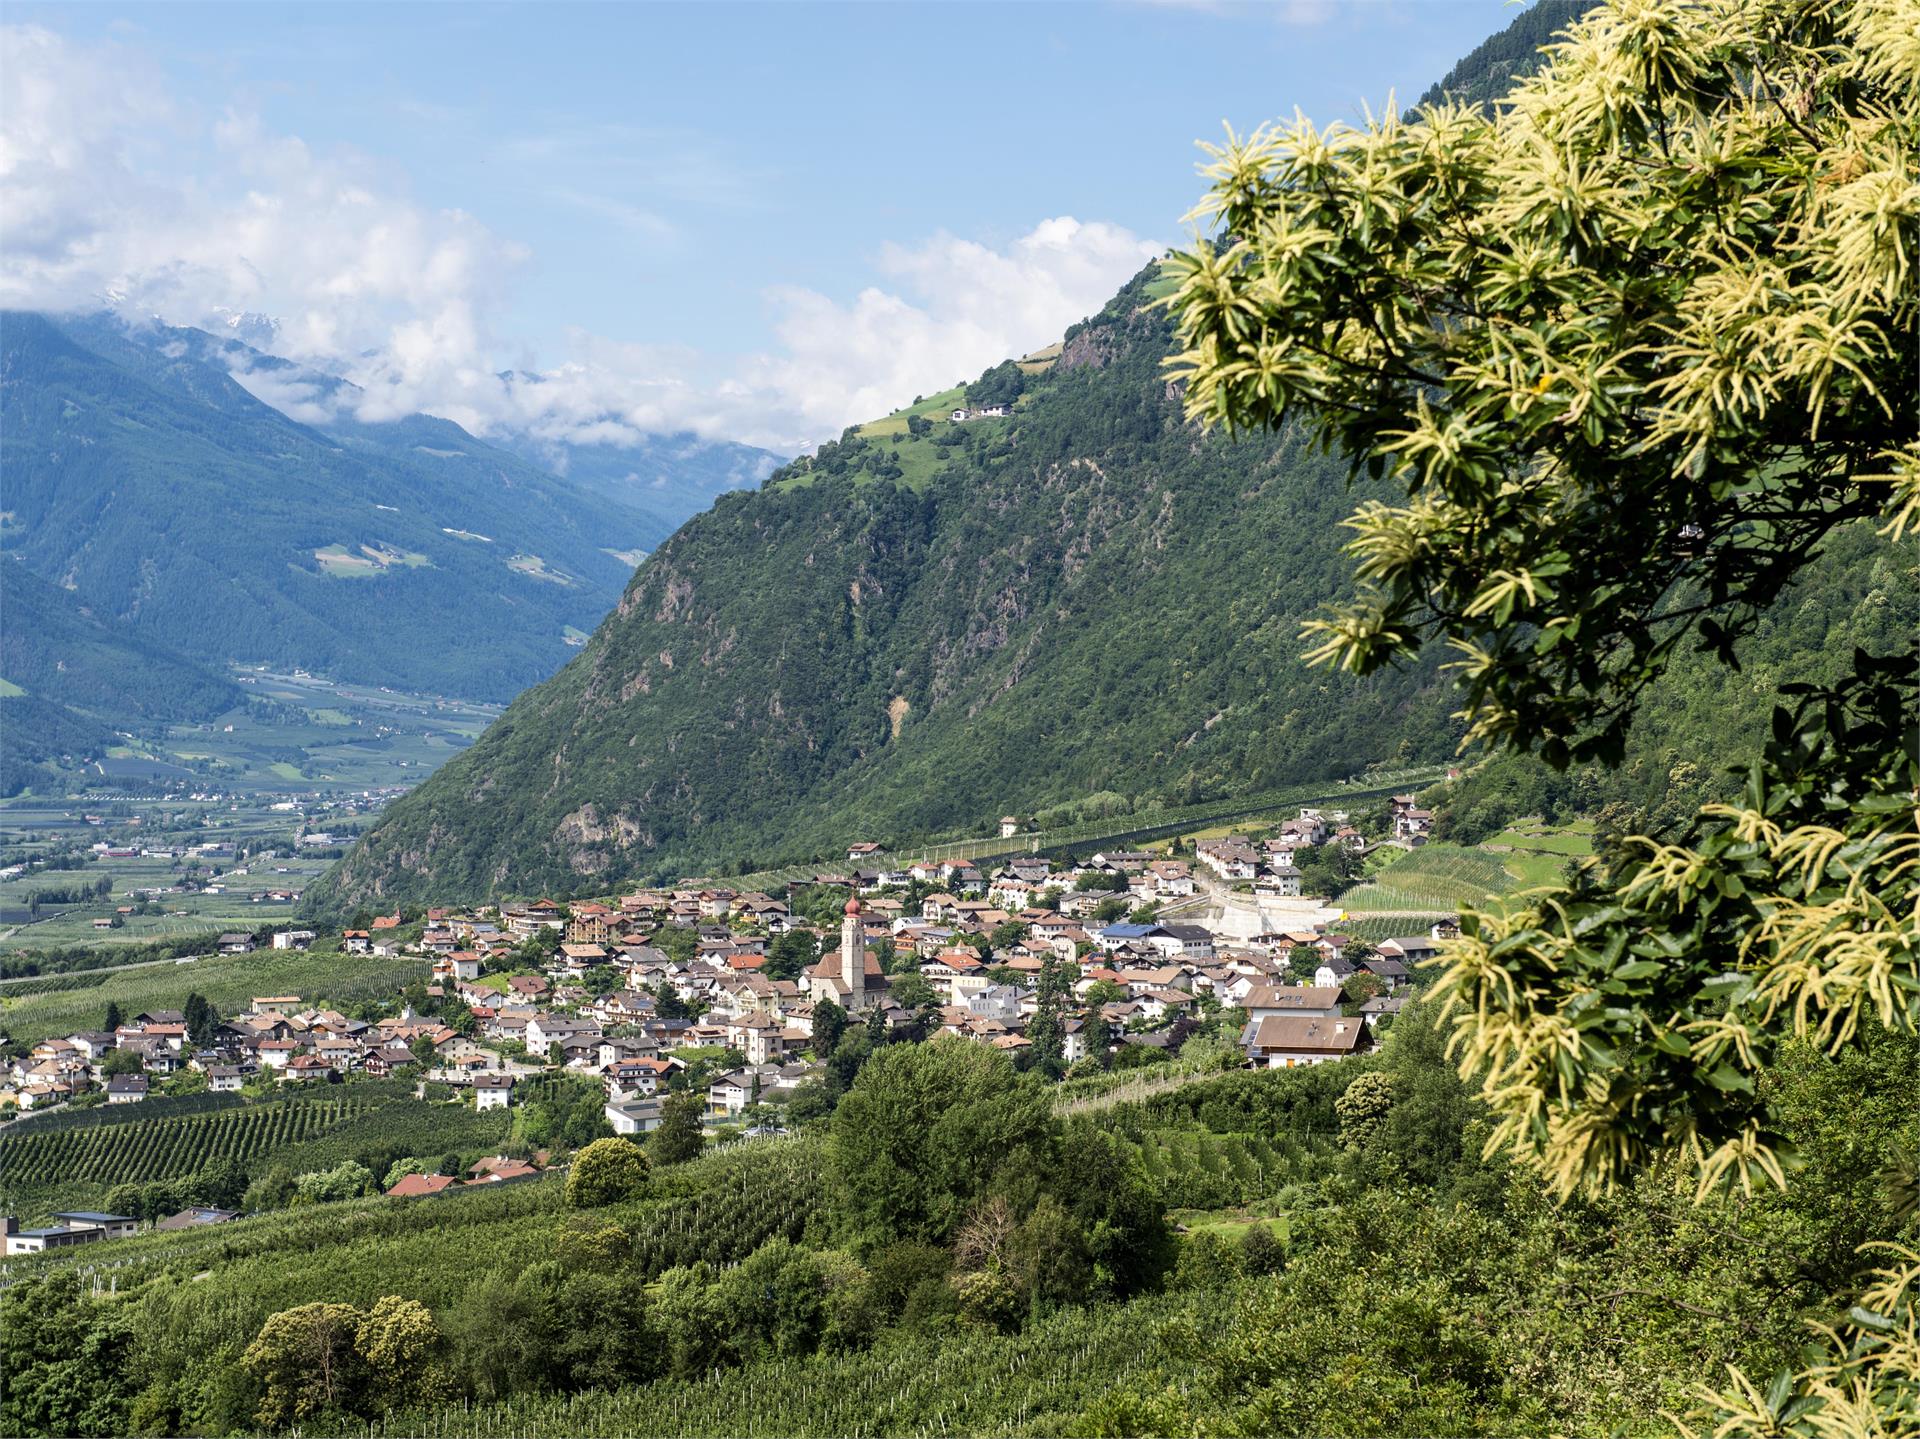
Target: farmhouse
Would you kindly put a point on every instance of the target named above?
(417, 1186)
(1285, 1041)
(80, 1227)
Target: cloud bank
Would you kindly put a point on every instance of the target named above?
(364, 281)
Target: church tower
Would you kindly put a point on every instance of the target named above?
(853, 957)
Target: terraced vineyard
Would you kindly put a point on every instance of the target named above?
(110, 1154)
(975, 1382)
(1200, 1170)
(54, 983)
(1371, 929)
(1435, 880)
(413, 1125)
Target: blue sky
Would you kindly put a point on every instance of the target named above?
(749, 219)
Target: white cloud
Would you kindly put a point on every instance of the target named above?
(366, 282)
(971, 307)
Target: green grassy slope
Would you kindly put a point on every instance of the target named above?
(227, 981)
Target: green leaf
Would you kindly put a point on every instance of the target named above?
(1779, 1391)
(1728, 1080)
(1735, 988)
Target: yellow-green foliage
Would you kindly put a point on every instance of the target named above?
(1635, 345)
(1669, 289)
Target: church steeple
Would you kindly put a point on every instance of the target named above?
(853, 957)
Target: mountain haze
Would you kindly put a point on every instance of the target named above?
(66, 678)
(673, 477)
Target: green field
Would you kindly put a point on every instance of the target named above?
(919, 458)
(1163, 284)
(365, 561)
(1435, 879)
(226, 981)
(327, 734)
(1232, 1224)
(536, 568)
(184, 914)
(1041, 360)
(933, 407)
(1539, 837)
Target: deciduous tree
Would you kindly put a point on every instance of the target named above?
(679, 1136)
(305, 1361)
(605, 1172)
(1635, 344)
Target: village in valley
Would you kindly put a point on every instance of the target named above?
(737, 1013)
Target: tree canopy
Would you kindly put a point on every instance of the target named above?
(919, 1133)
(1635, 344)
(605, 1172)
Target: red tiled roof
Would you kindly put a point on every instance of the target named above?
(416, 1185)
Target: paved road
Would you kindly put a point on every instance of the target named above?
(105, 969)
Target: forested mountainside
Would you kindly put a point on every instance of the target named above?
(51, 646)
(64, 671)
(924, 625)
(1696, 734)
(1490, 69)
(174, 505)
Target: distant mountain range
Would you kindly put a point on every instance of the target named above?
(187, 517)
(672, 476)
